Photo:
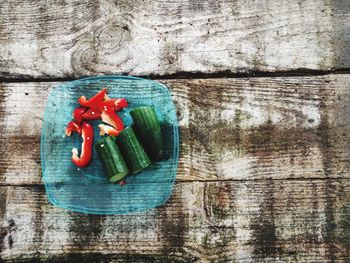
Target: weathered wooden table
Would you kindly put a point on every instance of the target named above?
(262, 90)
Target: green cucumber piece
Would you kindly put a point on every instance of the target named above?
(148, 130)
(132, 151)
(111, 158)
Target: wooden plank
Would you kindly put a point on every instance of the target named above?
(45, 39)
(231, 129)
(260, 221)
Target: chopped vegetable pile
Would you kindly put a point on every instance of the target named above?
(124, 150)
(98, 107)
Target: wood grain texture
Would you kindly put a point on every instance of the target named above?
(231, 129)
(263, 221)
(46, 39)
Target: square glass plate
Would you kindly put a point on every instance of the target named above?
(87, 190)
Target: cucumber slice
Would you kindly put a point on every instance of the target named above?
(111, 159)
(133, 153)
(148, 130)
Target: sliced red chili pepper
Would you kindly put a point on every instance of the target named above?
(73, 127)
(109, 116)
(94, 101)
(77, 114)
(109, 103)
(95, 114)
(106, 109)
(118, 104)
(99, 106)
(91, 114)
(86, 148)
(82, 113)
(106, 129)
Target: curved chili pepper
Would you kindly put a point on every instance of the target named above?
(73, 127)
(77, 114)
(86, 148)
(109, 116)
(94, 101)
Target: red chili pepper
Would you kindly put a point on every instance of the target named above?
(101, 106)
(73, 127)
(77, 114)
(86, 148)
(82, 113)
(109, 116)
(106, 129)
(94, 101)
(91, 114)
(107, 109)
(95, 114)
(118, 104)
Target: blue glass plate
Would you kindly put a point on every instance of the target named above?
(87, 190)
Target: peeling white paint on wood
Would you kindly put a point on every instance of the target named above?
(71, 39)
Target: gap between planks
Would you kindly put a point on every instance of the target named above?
(191, 75)
(182, 181)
